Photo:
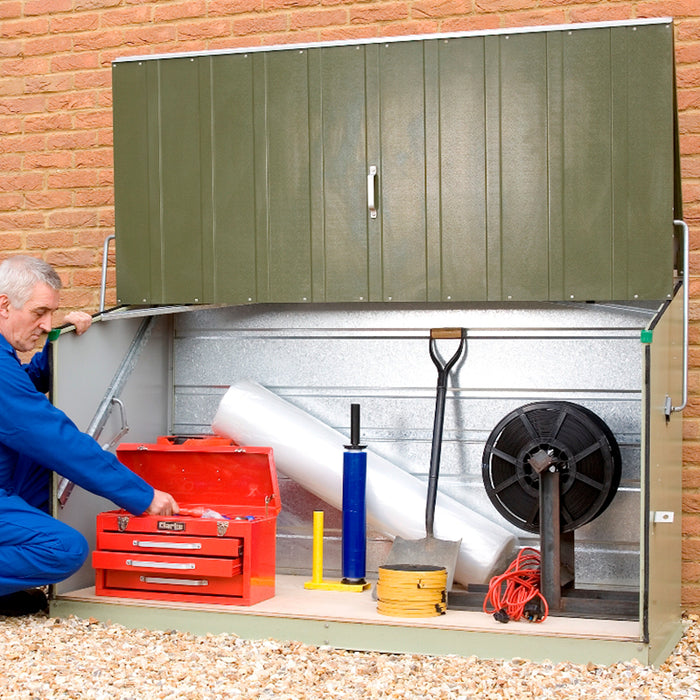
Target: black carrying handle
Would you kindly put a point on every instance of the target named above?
(443, 372)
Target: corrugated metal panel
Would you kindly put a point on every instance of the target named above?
(323, 358)
(523, 166)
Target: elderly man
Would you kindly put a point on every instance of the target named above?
(35, 439)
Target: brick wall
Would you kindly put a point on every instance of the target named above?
(56, 195)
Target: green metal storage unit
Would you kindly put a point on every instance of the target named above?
(496, 180)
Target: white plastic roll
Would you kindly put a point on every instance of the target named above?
(311, 453)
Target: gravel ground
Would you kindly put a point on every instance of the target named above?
(47, 658)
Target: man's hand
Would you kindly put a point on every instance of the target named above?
(79, 319)
(163, 504)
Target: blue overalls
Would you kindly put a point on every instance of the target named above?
(36, 438)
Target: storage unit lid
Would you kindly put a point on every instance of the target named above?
(209, 470)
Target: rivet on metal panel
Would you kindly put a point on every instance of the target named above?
(362, 298)
(449, 298)
(636, 296)
(389, 298)
(196, 299)
(571, 296)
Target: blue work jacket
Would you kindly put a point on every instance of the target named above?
(32, 427)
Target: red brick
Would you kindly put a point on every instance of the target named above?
(535, 18)
(91, 41)
(74, 62)
(94, 158)
(22, 105)
(408, 28)
(439, 8)
(667, 8)
(92, 120)
(73, 257)
(11, 86)
(46, 7)
(50, 239)
(72, 140)
(226, 8)
(688, 76)
(11, 201)
(48, 122)
(383, 12)
(9, 10)
(203, 30)
(472, 23)
(11, 241)
(94, 4)
(138, 14)
(74, 23)
(48, 83)
(165, 12)
(319, 18)
(259, 25)
(502, 5)
(14, 29)
(19, 220)
(147, 36)
(10, 49)
(48, 199)
(73, 178)
(19, 182)
(24, 66)
(274, 5)
(72, 100)
(42, 46)
(72, 218)
(99, 78)
(50, 159)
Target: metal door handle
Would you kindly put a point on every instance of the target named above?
(159, 564)
(175, 581)
(371, 187)
(167, 545)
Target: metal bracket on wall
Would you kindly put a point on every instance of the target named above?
(111, 397)
(669, 408)
(103, 282)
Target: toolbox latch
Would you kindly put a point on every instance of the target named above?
(122, 522)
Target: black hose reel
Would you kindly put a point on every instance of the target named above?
(550, 467)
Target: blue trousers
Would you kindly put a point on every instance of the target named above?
(35, 549)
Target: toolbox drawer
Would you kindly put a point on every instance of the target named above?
(192, 566)
(164, 544)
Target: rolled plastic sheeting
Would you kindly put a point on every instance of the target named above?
(311, 453)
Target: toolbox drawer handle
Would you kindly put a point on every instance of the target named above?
(158, 564)
(167, 545)
(175, 581)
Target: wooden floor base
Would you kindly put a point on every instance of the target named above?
(349, 620)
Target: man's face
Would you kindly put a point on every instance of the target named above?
(23, 327)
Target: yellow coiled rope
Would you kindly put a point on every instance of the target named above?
(409, 590)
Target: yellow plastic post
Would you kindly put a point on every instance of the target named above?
(317, 552)
(317, 582)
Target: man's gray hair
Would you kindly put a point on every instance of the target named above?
(21, 273)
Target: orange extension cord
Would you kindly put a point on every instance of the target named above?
(510, 593)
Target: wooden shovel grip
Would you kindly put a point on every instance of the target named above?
(440, 333)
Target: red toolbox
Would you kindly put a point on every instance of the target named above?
(190, 558)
